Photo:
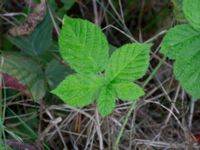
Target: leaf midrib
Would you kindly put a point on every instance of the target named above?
(118, 73)
(187, 39)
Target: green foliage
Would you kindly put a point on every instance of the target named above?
(55, 72)
(178, 11)
(79, 90)
(188, 73)
(35, 65)
(181, 40)
(30, 73)
(85, 48)
(38, 42)
(76, 37)
(191, 11)
(182, 43)
(106, 101)
(125, 90)
(25, 70)
(129, 62)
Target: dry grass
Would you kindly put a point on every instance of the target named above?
(165, 119)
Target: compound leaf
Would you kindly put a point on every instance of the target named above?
(129, 62)
(181, 41)
(106, 101)
(78, 90)
(83, 46)
(128, 91)
(191, 10)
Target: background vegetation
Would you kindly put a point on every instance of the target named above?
(32, 118)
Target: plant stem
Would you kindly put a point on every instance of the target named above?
(98, 127)
(123, 126)
(1, 106)
(133, 105)
(192, 105)
(154, 72)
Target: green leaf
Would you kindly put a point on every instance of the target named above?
(128, 91)
(37, 43)
(55, 72)
(25, 70)
(188, 73)
(106, 101)
(83, 46)
(78, 90)
(112, 48)
(128, 63)
(191, 9)
(181, 41)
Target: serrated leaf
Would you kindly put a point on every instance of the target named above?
(83, 46)
(78, 90)
(129, 62)
(106, 101)
(39, 41)
(191, 9)
(188, 73)
(181, 41)
(25, 70)
(128, 91)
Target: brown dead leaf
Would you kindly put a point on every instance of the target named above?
(33, 19)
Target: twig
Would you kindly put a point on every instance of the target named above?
(1, 106)
(57, 128)
(128, 36)
(192, 105)
(98, 128)
(140, 21)
(156, 36)
(13, 14)
(53, 20)
(123, 126)
(121, 11)
(95, 12)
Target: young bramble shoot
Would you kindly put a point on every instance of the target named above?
(85, 48)
(182, 44)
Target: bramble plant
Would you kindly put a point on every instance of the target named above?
(85, 48)
(182, 44)
(36, 65)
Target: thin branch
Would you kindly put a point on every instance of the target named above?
(192, 105)
(98, 128)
